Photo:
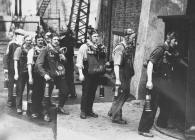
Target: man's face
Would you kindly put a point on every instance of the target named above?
(173, 43)
(40, 42)
(20, 39)
(130, 38)
(48, 39)
(55, 41)
(28, 40)
(95, 38)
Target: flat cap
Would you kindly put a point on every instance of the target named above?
(20, 32)
(48, 34)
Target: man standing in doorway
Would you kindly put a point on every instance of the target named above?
(160, 70)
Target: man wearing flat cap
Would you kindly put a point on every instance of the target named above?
(122, 56)
(9, 62)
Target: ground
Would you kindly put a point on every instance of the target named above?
(71, 127)
(101, 128)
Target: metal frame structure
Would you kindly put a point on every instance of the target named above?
(43, 7)
(79, 19)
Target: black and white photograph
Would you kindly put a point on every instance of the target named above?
(97, 70)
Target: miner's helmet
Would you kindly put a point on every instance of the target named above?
(128, 31)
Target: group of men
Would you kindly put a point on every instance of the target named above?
(45, 63)
(40, 65)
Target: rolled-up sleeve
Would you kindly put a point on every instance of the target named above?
(17, 53)
(117, 54)
(30, 55)
(82, 54)
(156, 55)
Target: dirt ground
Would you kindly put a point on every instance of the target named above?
(21, 127)
(72, 127)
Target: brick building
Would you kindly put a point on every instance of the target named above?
(142, 16)
(115, 16)
(152, 19)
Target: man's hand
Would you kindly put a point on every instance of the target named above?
(118, 82)
(62, 57)
(149, 85)
(47, 77)
(30, 81)
(5, 71)
(81, 77)
(16, 76)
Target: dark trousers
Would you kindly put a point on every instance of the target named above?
(89, 87)
(61, 84)
(70, 77)
(160, 97)
(118, 102)
(10, 87)
(22, 81)
(38, 93)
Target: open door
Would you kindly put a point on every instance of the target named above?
(179, 24)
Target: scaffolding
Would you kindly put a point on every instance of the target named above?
(43, 7)
(79, 19)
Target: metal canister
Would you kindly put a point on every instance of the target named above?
(147, 106)
(101, 94)
(6, 80)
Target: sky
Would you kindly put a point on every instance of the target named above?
(29, 8)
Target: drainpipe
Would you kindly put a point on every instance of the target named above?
(16, 8)
(20, 8)
(110, 30)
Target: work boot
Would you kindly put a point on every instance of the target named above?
(83, 115)
(61, 110)
(92, 114)
(109, 114)
(73, 96)
(145, 134)
(34, 115)
(9, 104)
(19, 111)
(47, 118)
(119, 121)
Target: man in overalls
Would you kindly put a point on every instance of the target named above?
(122, 55)
(21, 71)
(9, 63)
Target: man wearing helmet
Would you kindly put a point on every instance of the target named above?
(160, 69)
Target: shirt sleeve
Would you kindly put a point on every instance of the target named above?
(7, 50)
(30, 55)
(117, 54)
(156, 55)
(17, 53)
(82, 54)
(39, 65)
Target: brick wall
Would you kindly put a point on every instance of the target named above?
(125, 14)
